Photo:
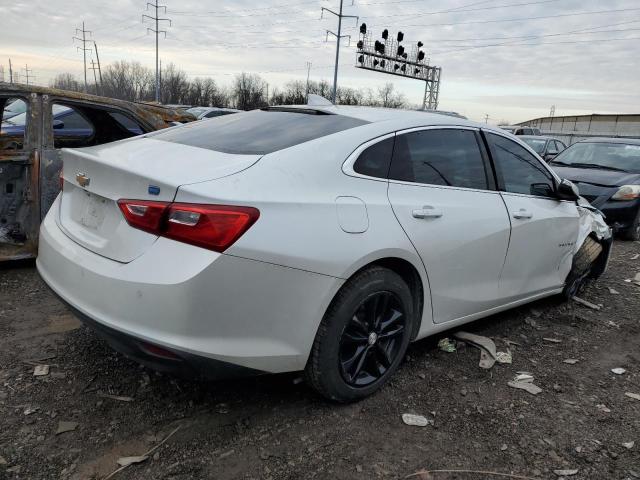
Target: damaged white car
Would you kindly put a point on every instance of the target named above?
(313, 238)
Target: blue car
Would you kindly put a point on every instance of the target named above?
(67, 123)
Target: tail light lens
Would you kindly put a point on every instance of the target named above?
(215, 227)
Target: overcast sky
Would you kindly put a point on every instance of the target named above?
(509, 59)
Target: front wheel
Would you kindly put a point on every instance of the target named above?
(363, 336)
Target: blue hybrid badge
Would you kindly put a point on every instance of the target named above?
(153, 190)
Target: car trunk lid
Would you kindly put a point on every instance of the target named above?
(143, 169)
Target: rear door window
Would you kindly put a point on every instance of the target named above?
(70, 128)
(258, 132)
(449, 157)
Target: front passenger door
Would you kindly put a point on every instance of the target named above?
(543, 228)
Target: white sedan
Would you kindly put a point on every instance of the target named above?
(313, 238)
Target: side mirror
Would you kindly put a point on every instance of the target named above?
(567, 190)
(58, 124)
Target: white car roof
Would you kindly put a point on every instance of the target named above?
(404, 118)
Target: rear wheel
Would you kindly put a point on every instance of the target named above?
(633, 232)
(362, 337)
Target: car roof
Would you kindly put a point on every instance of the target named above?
(407, 118)
(624, 141)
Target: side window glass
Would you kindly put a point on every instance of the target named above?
(439, 157)
(14, 123)
(551, 147)
(374, 161)
(126, 123)
(560, 146)
(70, 128)
(521, 172)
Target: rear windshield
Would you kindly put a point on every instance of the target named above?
(257, 132)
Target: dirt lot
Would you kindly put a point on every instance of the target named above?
(275, 427)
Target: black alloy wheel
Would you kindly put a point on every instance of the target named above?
(363, 335)
(372, 339)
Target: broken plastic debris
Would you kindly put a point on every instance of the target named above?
(635, 396)
(446, 345)
(552, 340)
(487, 348)
(571, 361)
(586, 303)
(116, 397)
(504, 357)
(524, 381)
(613, 291)
(41, 370)
(603, 408)
(565, 473)
(66, 427)
(126, 461)
(416, 420)
(628, 445)
(30, 410)
(618, 371)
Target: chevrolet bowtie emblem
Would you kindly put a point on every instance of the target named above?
(82, 179)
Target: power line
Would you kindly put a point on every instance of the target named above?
(506, 20)
(84, 50)
(339, 37)
(157, 31)
(26, 73)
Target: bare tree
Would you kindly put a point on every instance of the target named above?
(175, 86)
(388, 98)
(65, 81)
(248, 91)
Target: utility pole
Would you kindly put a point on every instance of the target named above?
(267, 94)
(552, 112)
(308, 73)
(157, 31)
(339, 37)
(10, 72)
(160, 74)
(26, 72)
(95, 79)
(95, 47)
(84, 50)
(486, 118)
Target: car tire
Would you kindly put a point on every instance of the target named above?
(633, 232)
(362, 337)
(581, 267)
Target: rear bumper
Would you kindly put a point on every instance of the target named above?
(168, 360)
(194, 302)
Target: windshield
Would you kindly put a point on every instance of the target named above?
(536, 144)
(602, 155)
(257, 132)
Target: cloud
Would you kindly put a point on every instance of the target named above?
(505, 58)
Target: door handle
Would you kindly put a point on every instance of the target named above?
(427, 212)
(522, 214)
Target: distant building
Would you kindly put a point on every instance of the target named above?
(575, 128)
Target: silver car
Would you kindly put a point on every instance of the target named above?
(313, 238)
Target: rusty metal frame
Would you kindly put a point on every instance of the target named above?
(40, 173)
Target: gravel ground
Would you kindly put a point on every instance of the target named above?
(276, 427)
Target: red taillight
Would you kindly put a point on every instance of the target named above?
(215, 227)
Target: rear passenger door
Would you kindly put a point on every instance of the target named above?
(543, 228)
(442, 191)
